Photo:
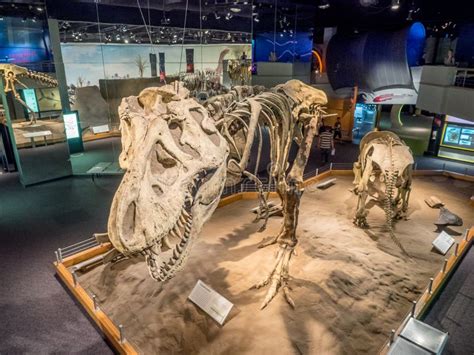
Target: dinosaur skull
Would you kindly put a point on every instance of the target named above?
(176, 167)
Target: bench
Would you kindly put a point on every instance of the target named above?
(33, 135)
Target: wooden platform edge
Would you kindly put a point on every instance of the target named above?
(111, 331)
(427, 298)
(105, 324)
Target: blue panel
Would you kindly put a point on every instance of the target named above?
(22, 42)
(465, 46)
(288, 47)
(415, 44)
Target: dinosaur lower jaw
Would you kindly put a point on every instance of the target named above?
(167, 255)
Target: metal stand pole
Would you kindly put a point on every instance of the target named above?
(430, 286)
(74, 278)
(122, 336)
(413, 309)
(445, 265)
(392, 337)
(96, 305)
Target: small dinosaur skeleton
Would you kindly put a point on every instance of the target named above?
(179, 155)
(12, 73)
(384, 173)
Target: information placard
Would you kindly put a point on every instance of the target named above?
(443, 242)
(216, 306)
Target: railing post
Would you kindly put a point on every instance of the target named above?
(430, 286)
(392, 337)
(330, 166)
(456, 247)
(413, 309)
(445, 265)
(96, 304)
(122, 335)
(74, 278)
(60, 253)
(57, 256)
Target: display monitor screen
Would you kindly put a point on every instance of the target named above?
(458, 136)
(71, 125)
(30, 99)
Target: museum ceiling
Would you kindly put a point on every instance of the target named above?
(246, 16)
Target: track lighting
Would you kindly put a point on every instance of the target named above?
(324, 4)
(395, 5)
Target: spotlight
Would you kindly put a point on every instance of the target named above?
(204, 17)
(228, 16)
(216, 15)
(395, 5)
(324, 4)
(256, 19)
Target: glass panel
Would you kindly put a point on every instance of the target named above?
(31, 100)
(205, 44)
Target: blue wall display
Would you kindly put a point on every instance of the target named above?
(289, 47)
(415, 44)
(465, 46)
(22, 42)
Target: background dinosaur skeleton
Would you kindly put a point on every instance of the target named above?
(383, 173)
(176, 153)
(12, 73)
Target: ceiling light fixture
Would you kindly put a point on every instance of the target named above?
(395, 5)
(324, 4)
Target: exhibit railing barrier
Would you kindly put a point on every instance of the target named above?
(62, 253)
(421, 306)
(66, 267)
(429, 167)
(72, 259)
(464, 78)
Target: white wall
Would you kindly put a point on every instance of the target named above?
(92, 62)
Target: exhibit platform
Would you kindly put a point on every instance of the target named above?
(351, 286)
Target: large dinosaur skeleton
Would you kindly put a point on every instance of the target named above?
(12, 73)
(178, 155)
(383, 174)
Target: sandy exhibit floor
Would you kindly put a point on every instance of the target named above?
(350, 286)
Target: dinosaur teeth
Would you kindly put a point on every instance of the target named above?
(167, 242)
(176, 254)
(174, 233)
(186, 214)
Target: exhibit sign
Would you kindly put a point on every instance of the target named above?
(211, 302)
(73, 132)
(458, 136)
(29, 96)
(443, 242)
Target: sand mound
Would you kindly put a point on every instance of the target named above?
(351, 286)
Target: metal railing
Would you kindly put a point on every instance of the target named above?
(464, 78)
(62, 253)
